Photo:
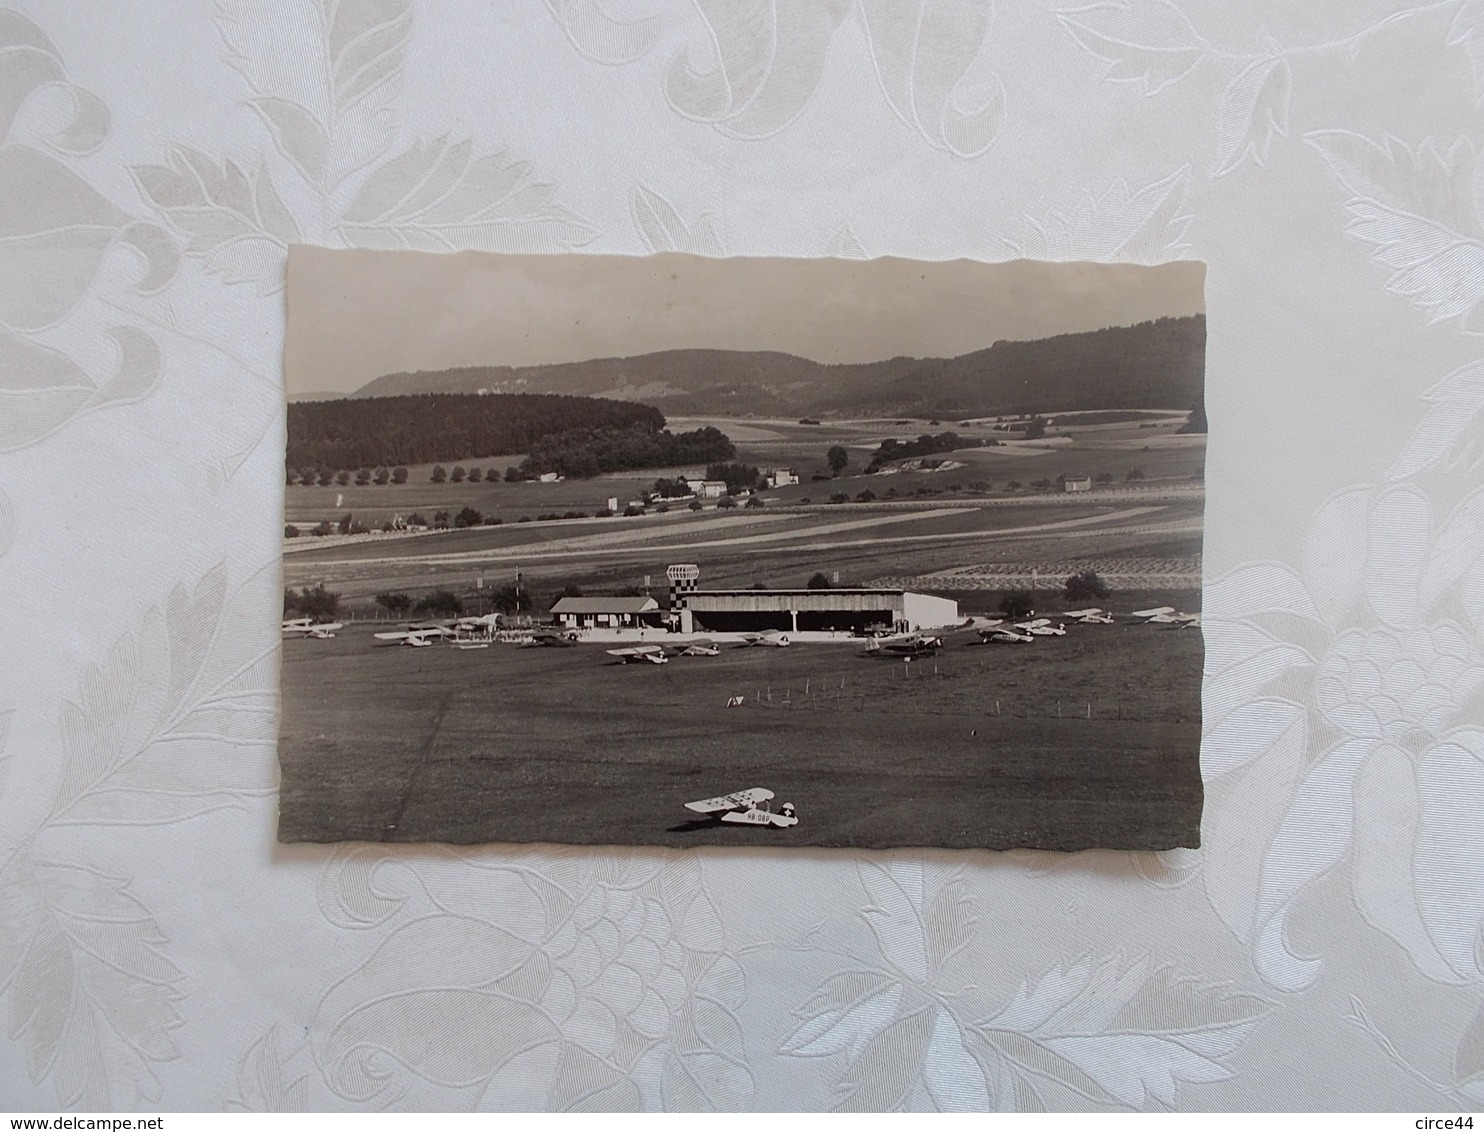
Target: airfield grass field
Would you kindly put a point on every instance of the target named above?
(1087, 740)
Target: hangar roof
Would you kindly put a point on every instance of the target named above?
(605, 605)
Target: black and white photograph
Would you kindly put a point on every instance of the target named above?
(680, 551)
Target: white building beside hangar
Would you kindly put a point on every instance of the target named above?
(605, 612)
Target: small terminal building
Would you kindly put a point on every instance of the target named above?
(606, 612)
(811, 611)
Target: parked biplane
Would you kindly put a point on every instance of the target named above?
(746, 807)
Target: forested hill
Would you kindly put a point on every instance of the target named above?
(1158, 364)
(379, 431)
(1152, 365)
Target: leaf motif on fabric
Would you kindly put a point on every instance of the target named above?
(1417, 211)
(1468, 1058)
(600, 37)
(1146, 42)
(92, 994)
(159, 729)
(349, 895)
(662, 229)
(299, 134)
(42, 389)
(705, 1066)
(1467, 31)
(1449, 778)
(924, 53)
(1119, 224)
(54, 234)
(1124, 1033)
(1253, 108)
(1387, 815)
(368, 47)
(1454, 408)
(235, 223)
(449, 999)
(32, 63)
(263, 1081)
(770, 60)
(7, 523)
(895, 915)
(843, 244)
(845, 1012)
(1314, 833)
(437, 196)
(1457, 551)
(889, 1065)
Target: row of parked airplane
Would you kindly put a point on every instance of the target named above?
(997, 630)
(700, 646)
(479, 632)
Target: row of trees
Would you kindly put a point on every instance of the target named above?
(312, 601)
(324, 476)
(1086, 586)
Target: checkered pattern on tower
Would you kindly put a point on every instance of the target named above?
(684, 581)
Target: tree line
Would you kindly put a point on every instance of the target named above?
(925, 445)
(370, 432)
(580, 453)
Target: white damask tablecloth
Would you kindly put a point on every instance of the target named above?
(1324, 950)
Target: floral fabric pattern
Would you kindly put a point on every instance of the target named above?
(158, 951)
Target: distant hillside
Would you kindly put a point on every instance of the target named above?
(1159, 364)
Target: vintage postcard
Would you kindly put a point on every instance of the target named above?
(756, 552)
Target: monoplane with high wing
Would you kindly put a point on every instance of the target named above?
(1093, 616)
(1167, 615)
(904, 645)
(308, 627)
(773, 639)
(1041, 627)
(416, 636)
(996, 632)
(633, 654)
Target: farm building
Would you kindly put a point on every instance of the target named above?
(707, 489)
(605, 612)
(780, 477)
(842, 610)
(1077, 483)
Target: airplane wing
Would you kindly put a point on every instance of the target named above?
(399, 635)
(1093, 612)
(1157, 611)
(741, 800)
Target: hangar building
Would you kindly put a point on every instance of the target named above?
(816, 611)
